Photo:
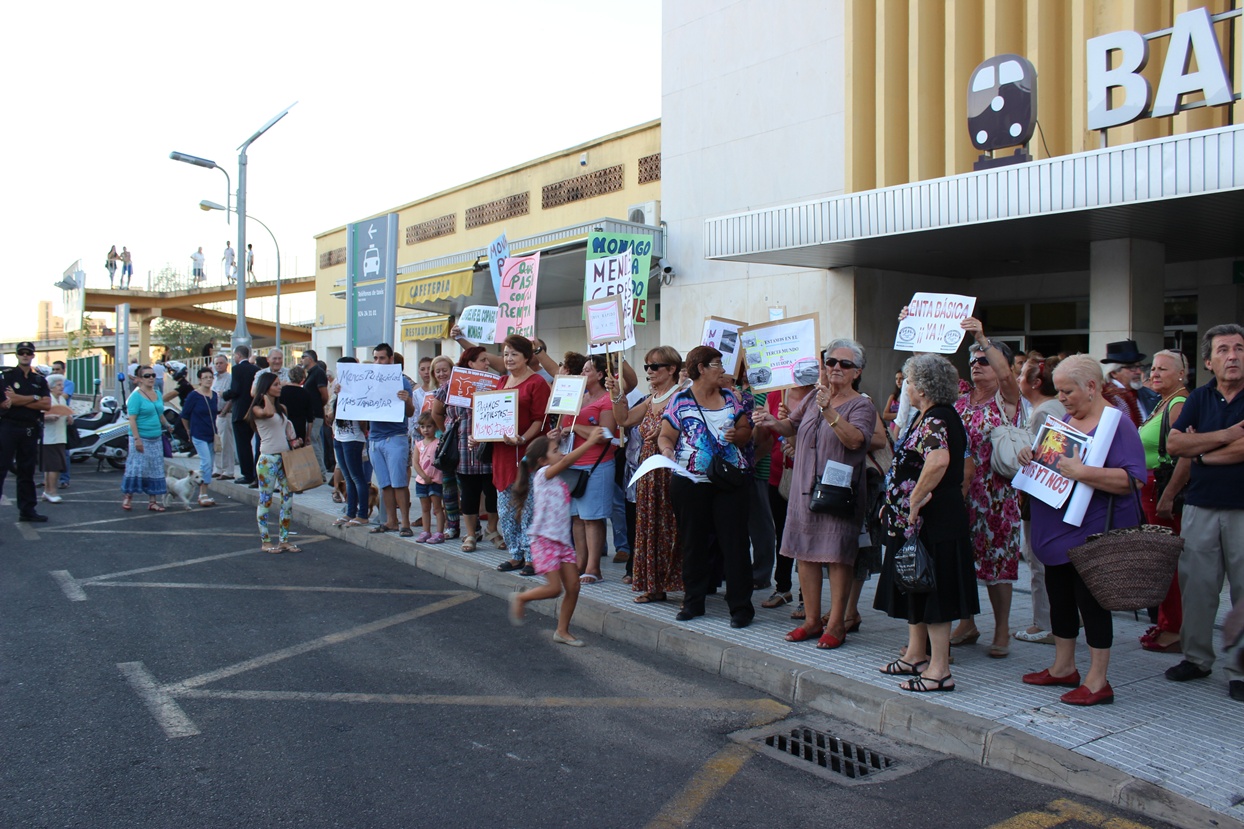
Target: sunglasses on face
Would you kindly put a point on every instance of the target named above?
(147, 376)
(834, 362)
(979, 361)
(25, 354)
(656, 366)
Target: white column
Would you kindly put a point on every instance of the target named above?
(1127, 287)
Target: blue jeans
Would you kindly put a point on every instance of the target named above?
(350, 457)
(206, 460)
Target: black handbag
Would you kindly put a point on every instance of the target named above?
(830, 499)
(447, 455)
(913, 567)
(721, 473)
(578, 483)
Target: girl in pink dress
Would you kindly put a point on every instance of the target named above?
(552, 545)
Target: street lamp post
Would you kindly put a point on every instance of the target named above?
(211, 205)
(211, 165)
(241, 336)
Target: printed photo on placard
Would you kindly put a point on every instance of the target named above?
(566, 398)
(1040, 478)
(465, 382)
(723, 334)
(782, 354)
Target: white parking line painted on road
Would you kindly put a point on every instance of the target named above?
(146, 533)
(70, 585)
(161, 705)
(26, 531)
(133, 517)
(292, 588)
(172, 565)
(177, 688)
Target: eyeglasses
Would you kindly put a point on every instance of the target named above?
(834, 362)
(979, 361)
(656, 366)
(715, 364)
(146, 376)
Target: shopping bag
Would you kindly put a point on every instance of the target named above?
(301, 469)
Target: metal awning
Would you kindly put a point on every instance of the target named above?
(562, 259)
(1185, 191)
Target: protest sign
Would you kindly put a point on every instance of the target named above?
(639, 245)
(516, 305)
(1103, 436)
(465, 382)
(611, 276)
(494, 415)
(478, 323)
(1040, 478)
(567, 395)
(723, 335)
(498, 252)
(932, 323)
(782, 354)
(604, 320)
(369, 392)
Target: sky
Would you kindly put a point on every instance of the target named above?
(396, 100)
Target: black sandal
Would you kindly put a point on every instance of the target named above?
(508, 566)
(924, 684)
(901, 667)
(381, 528)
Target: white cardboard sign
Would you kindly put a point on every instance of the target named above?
(369, 392)
(933, 322)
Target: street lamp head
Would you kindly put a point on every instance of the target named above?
(192, 159)
(206, 205)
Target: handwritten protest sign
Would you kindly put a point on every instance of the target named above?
(369, 392)
(516, 304)
(611, 276)
(604, 320)
(639, 246)
(567, 395)
(498, 252)
(494, 415)
(932, 323)
(465, 382)
(1040, 478)
(478, 323)
(782, 354)
(723, 334)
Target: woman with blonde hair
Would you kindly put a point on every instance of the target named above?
(1079, 381)
(437, 404)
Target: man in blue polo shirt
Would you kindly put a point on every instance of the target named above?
(389, 448)
(1210, 430)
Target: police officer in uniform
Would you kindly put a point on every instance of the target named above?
(24, 397)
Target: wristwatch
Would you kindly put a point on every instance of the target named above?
(1199, 460)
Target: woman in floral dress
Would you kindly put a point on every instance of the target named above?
(923, 493)
(993, 504)
(657, 560)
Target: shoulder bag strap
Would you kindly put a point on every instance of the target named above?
(1163, 428)
(704, 420)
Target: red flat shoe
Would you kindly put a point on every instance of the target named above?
(1083, 696)
(1152, 645)
(1071, 680)
(829, 642)
(802, 634)
(1150, 635)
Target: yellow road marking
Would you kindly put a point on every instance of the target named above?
(1062, 811)
(709, 780)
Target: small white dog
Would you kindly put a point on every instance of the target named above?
(183, 489)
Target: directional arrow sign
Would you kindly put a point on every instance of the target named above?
(371, 231)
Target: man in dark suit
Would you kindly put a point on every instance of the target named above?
(241, 378)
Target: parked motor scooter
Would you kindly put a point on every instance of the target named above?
(102, 435)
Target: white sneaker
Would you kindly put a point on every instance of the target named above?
(54, 499)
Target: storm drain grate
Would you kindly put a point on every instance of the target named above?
(831, 753)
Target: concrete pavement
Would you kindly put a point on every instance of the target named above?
(1174, 752)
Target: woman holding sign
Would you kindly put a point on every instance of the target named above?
(590, 509)
(437, 404)
(657, 569)
(533, 399)
(993, 504)
(1079, 382)
(834, 424)
(473, 475)
(705, 428)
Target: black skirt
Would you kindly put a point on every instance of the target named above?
(956, 596)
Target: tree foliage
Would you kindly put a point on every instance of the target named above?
(183, 339)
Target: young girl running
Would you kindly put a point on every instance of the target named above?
(428, 480)
(552, 547)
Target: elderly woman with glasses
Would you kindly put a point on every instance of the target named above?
(144, 463)
(993, 504)
(834, 424)
(700, 424)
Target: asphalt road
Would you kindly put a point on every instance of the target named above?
(157, 670)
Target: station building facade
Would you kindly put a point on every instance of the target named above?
(818, 156)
